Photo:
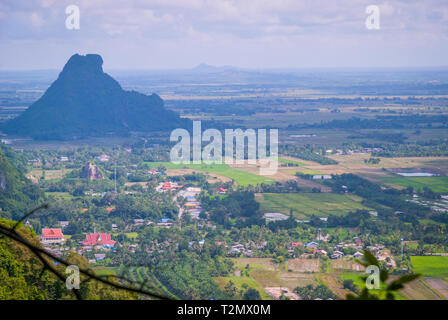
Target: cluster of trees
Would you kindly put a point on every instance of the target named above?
(387, 122)
(17, 194)
(289, 223)
(311, 292)
(349, 284)
(306, 152)
(380, 136)
(77, 186)
(144, 206)
(397, 218)
(350, 220)
(372, 161)
(188, 275)
(277, 187)
(434, 148)
(238, 206)
(245, 292)
(385, 201)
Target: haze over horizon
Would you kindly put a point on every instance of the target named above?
(245, 34)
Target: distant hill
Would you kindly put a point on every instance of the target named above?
(84, 102)
(206, 68)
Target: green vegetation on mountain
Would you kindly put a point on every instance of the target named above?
(84, 101)
(17, 194)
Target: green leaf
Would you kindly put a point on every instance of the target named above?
(408, 278)
(361, 262)
(390, 296)
(370, 258)
(384, 275)
(399, 283)
(350, 296)
(394, 286)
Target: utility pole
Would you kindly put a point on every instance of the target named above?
(115, 177)
(319, 237)
(401, 248)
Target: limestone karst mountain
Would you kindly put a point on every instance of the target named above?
(84, 101)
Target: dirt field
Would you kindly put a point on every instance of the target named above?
(257, 264)
(334, 285)
(276, 292)
(440, 285)
(50, 174)
(304, 265)
(354, 163)
(287, 174)
(267, 278)
(128, 184)
(296, 279)
(341, 265)
(418, 290)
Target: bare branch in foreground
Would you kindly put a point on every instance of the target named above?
(43, 255)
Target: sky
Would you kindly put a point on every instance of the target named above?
(260, 34)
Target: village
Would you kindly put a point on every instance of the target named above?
(179, 216)
(99, 245)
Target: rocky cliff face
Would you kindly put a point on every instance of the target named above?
(3, 184)
(91, 172)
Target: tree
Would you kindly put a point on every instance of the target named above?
(230, 288)
(252, 294)
(350, 285)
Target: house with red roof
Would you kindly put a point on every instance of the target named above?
(52, 236)
(167, 186)
(99, 239)
(221, 190)
(103, 157)
(110, 209)
(153, 171)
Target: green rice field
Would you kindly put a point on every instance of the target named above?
(241, 177)
(436, 184)
(433, 266)
(292, 162)
(307, 204)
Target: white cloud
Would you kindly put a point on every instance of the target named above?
(36, 20)
(252, 32)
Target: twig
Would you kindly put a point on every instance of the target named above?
(42, 254)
